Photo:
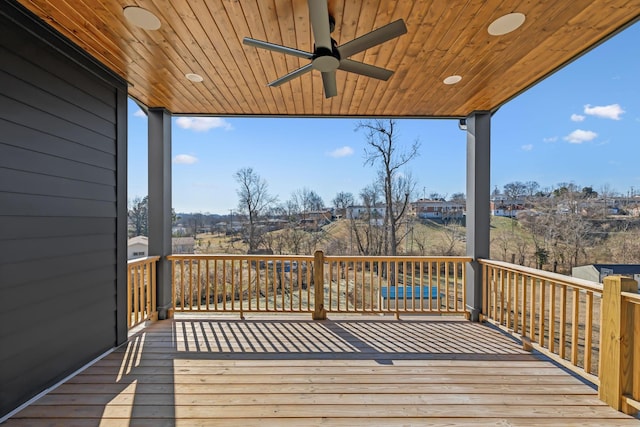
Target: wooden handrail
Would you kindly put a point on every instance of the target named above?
(562, 313)
(282, 283)
(545, 275)
(558, 315)
(141, 290)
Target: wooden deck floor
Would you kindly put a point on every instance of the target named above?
(348, 371)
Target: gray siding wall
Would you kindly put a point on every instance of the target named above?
(62, 208)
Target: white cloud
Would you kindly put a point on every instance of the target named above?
(612, 111)
(185, 159)
(139, 113)
(527, 147)
(341, 152)
(550, 139)
(202, 124)
(577, 118)
(579, 136)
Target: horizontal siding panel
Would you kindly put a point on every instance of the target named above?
(97, 301)
(51, 60)
(33, 249)
(31, 139)
(47, 334)
(30, 205)
(42, 99)
(25, 115)
(55, 287)
(91, 340)
(15, 181)
(19, 273)
(61, 85)
(29, 227)
(30, 161)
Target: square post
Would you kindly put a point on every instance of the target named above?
(478, 126)
(160, 205)
(319, 312)
(616, 343)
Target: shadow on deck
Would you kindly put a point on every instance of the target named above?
(346, 371)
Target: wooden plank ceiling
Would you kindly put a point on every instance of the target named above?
(444, 38)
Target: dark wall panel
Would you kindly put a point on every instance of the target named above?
(62, 204)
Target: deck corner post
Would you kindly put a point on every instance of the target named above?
(159, 215)
(319, 312)
(616, 343)
(478, 221)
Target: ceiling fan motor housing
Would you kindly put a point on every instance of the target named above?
(326, 60)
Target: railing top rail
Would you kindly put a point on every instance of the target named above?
(397, 258)
(546, 275)
(631, 297)
(143, 260)
(240, 256)
(326, 257)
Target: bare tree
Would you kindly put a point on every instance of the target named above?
(139, 216)
(342, 201)
(382, 150)
(514, 191)
(451, 235)
(458, 198)
(307, 200)
(531, 188)
(254, 200)
(366, 226)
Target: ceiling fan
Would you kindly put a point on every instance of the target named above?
(327, 56)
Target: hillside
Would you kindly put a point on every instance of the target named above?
(606, 242)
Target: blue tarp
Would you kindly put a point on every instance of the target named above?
(413, 292)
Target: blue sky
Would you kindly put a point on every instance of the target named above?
(580, 125)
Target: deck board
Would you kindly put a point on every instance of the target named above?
(347, 371)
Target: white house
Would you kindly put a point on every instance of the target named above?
(375, 214)
(138, 247)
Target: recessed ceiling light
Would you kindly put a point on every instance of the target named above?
(507, 23)
(451, 80)
(141, 18)
(194, 77)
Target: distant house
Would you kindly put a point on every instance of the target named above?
(183, 245)
(138, 247)
(375, 214)
(316, 219)
(597, 272)
(501, 205)
(438, 209)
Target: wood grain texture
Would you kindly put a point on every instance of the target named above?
(345, 371)
(443, 38)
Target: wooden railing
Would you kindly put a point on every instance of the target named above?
(382, 284)
(590, 328)
(620, 351)
(141, 290)
(318, 284)
(242, 283)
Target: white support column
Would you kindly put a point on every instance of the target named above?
(478, 198)
(160, 203)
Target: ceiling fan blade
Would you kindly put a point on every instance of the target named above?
(277, 48)
(319, 15)
(292, 75)
(329, 83)
(375, 37)
(365, 69)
